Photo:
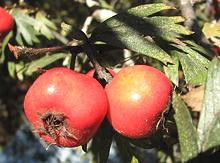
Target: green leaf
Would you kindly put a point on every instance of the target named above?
(29, 28)
(101, 143)
(12, 69)
(148, 9)
(167, 28)
(212, 138)
(44, 25)
(172, 70)
(42, 62)
(130, 39)
(27, 69)
(4, 44)
(128, 30)
(211, 29)
(199, 79)
(211, 105)
(124, 148)
(25, 28)
(20, 68)
(139, 30)
(197, 48)
(199, 60)
(194, 71)
(186, 130)
(134, 160)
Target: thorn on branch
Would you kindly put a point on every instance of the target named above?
(14, 50)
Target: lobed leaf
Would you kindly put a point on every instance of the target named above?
(29, 28)
(25, 28)
(138, 29)
(130, 39)
(129, 30)
(44, 25)
(193, 65)
(198, 48)
(167, 28)
(194, 55)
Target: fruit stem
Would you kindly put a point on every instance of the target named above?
(91, 52)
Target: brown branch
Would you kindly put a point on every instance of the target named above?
(19, 50)
(90, 50)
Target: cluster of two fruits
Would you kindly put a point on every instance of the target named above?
(66, 108)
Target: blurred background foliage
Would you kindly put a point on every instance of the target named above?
(52, 23)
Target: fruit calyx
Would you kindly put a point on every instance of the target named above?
(55, 126)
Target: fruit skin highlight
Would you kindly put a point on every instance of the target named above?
(137, 97)
(65, 107)
(6, 23)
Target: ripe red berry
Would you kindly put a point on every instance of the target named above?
(6, 22)
(137, 97)
(65, 107)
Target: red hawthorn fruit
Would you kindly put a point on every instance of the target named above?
(6, 22)
(92, 71)
(137, 97)
(65, 107)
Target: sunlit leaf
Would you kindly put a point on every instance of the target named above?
(194, 72)
(172, 70)
(209, 118)
(44, 25)
(211, 29)
(134, 160)
(42, 62)
(25, 28)
(149, 9)
(186, 130)
(12, 69)
(128, 30)
(4, 44)
(29, 28)
(212, 138)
